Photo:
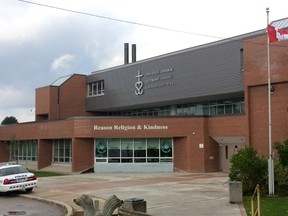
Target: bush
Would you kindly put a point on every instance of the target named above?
(280, 179)
(250, 169)
(282, 152)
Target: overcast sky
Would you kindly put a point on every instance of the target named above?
(40, 44)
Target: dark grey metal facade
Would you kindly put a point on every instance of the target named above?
(207, 72)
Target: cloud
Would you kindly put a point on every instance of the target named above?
(16, 102)
(63, 62)
(22, 114)
(12, 96)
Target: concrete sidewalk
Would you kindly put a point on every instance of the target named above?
(168, 194)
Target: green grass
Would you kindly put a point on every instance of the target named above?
(269, 206)
(45, 173)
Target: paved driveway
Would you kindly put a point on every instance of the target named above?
(166, 194)
(15, 204)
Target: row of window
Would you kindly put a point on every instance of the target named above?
(111, 150)
(206, 108)
(134, 150)
(212, 108)
(28, 150)
(24, 150)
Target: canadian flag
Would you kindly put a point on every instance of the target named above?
(276, 34)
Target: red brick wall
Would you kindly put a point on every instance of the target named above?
(82, 154)
(67, 100)
(255, 61)
(181, 156)
(44, 153)
(256, 91)
(72, 95)
(228, 125)
(42, 100)
(259, 116)
(41, 130)
(5, 151)
(46, 102)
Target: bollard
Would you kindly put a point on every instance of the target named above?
(235, 192)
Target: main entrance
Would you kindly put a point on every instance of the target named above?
(133, 154)
(228, 145)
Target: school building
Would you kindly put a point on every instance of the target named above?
(189, 110)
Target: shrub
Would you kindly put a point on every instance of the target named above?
(282, 152)
(280, 179)
(250, 169)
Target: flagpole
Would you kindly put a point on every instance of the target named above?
(270, 160)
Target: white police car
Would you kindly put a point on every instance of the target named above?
(16, 177)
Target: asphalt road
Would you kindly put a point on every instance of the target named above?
(13, 204)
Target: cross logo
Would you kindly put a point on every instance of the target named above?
(139, 84)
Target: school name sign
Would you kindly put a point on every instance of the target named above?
(129, 127)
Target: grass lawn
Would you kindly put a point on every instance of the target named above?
(269, 206)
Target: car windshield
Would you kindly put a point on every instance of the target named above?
(13, 170)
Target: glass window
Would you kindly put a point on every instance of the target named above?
(140, 147)
(241, 60)
(96, 88)
(140, 150)
(228, 107)
(152, 147)
(113, 147)
(24, 150)
(166, 147)
(62, 151)
(137, 150)
(101, 148)
(127, 148)
(210, 108)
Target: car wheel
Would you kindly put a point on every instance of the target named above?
(29, 189)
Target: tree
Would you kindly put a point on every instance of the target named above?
(9, 120)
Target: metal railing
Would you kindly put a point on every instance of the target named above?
(256, 212)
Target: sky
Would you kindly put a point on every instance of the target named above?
(39, 44)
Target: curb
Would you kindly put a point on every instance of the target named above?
(242, 209)
(68, 208)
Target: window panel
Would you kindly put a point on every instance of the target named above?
(152, 147)
(101, 148)
(140, 147)
(113, 147)
(127, 148)
(166, 147)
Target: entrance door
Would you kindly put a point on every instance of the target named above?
(226, 151)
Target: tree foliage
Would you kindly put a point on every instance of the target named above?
(250, 169)
(9, 120)
(282, 149)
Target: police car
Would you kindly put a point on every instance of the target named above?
(16, 177)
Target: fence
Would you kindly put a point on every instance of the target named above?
(257, 192)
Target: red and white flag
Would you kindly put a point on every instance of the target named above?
(276, 34)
